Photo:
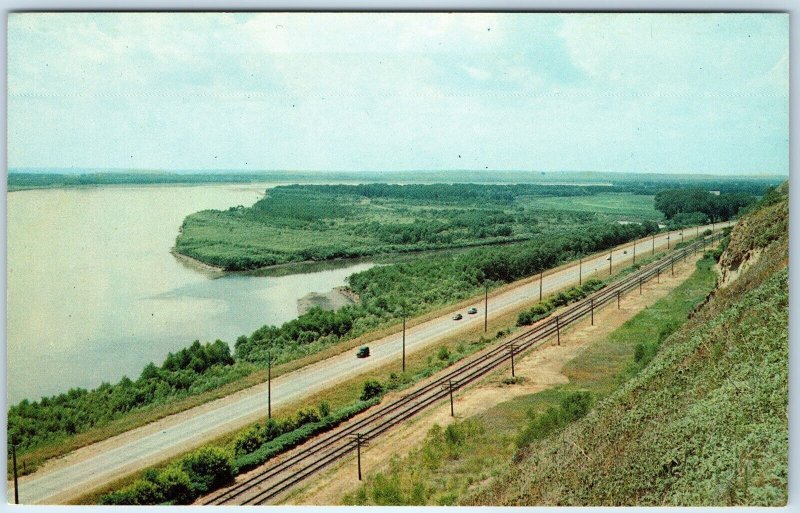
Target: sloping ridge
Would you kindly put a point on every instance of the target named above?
(706, 422)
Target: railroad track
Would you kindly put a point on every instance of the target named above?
(337, 444)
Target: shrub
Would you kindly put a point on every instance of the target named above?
(141, 492)
(577, 404)
(248, 441)
(371, 390)
(571, 407)
(443, 353)
(454, 435)
(306, 416)
(176, 485)
(386, 491)
(324, 409)
(294, 438)
(208, 468)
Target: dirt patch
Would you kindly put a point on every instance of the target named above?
(331, 300)
(541, 367)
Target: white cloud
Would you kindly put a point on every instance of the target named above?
(477, 73)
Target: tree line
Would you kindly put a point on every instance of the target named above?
(685, 202)
(411, 288)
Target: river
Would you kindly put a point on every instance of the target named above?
(94, 293)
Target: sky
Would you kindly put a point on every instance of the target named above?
(656, 93)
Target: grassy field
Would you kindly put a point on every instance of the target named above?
(620, 206)
(305, 222)
(453, 461)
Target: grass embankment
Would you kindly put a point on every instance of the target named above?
(454, 460)
(706, 422)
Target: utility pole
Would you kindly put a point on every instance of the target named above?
(541, 276)
(592, 308)
(667, 241)
(360, 441)
(640, 285)
(634, 252)
(617, 299)
(512, 348)
(486, 308)
(14, 461)
(580, 271)
(404, 340)
(658, 275)
(610, 255)
(558, 331)
(449, 387)
(672, 264)
(269, 385)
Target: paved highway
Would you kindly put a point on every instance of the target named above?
(92, 466)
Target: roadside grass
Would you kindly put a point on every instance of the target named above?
(28, 462)
(455, 460)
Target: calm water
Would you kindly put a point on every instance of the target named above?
(93, 292)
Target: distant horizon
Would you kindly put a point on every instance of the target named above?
(77, 171)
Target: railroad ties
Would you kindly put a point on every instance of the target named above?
(293, 467)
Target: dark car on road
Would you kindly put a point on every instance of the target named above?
(458, 317)
(363, 352)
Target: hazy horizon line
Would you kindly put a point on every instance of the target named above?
(190, 171)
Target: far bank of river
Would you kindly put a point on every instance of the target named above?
(94, 292)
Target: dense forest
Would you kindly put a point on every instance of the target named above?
(697, 204)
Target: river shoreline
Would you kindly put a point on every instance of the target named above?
(196, 264)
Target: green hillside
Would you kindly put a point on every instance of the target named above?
(705, 423)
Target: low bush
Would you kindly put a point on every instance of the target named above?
(181, 482)
(543, 308)
(297, 436)
(372, 389)
(211, 467)
(572, 406)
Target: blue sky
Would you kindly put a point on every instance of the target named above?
(677, 93)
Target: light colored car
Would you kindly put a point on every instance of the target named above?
(472, 311)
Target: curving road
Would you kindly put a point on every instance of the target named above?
(93, 466)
